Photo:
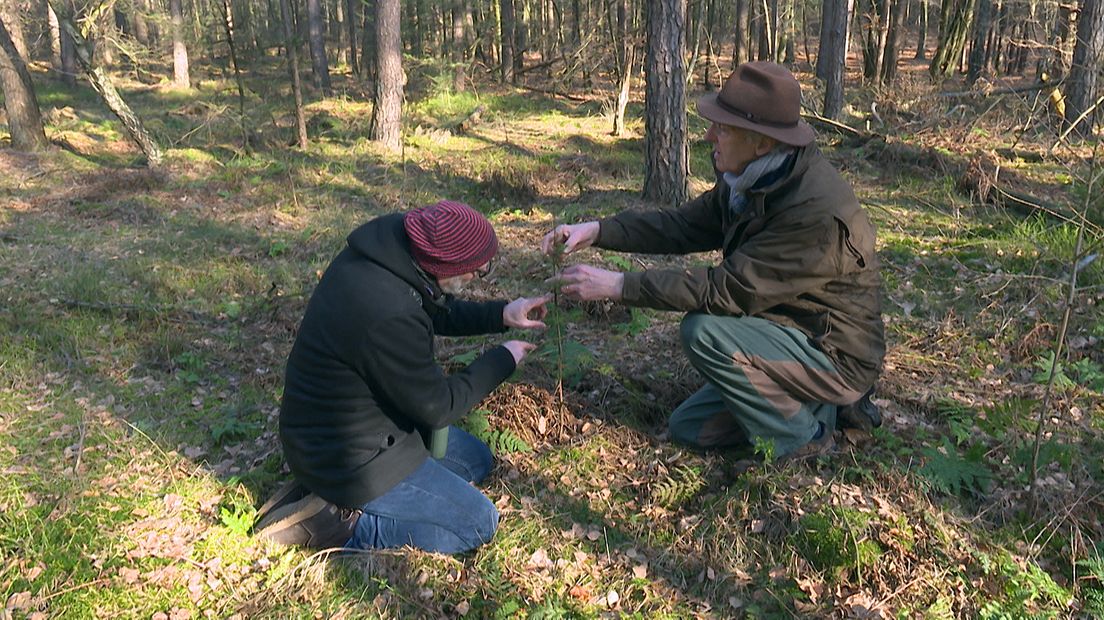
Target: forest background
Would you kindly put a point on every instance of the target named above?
(176, 174)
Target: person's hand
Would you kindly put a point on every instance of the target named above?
(526, 312)
(572, 236)
(587, 283)
(519, 349)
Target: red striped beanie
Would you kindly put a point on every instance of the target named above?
(449, 238)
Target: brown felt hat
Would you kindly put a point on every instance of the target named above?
(763, 97)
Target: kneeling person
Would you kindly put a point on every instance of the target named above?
(363, 391)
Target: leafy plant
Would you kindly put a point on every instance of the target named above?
(500, 441)
(638, 323)
(1092, 592)
(959, 419)
(1044, 364)
(837, 539)
(237, 519)
(952, 474)
(1089, 374)
(684, 483)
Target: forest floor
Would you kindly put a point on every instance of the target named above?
(146, 317)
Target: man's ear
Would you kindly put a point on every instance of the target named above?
(764, 145)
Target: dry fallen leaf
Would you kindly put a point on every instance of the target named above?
(640, 571)
(17, 601)
(462, 608)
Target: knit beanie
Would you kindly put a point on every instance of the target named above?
(449, 238)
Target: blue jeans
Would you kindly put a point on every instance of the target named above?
(435, 508)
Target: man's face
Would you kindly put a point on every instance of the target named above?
(455, 284)
(735, 148)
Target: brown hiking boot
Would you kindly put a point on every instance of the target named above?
(862, 414)
(291, 491)
(819, 446)
(309, 522)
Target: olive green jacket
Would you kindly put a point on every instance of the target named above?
(801, 254)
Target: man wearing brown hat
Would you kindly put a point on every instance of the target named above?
(363, 392)
(786, 329)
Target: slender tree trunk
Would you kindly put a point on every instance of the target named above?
(625, 61)
(740, 34)
(181, 77)
(954, 25)
(351, 32)
(20, 103)
(922, 32)
(833, 51)
(141, 25)
(228, 25)
(55, 39)
(386, 127)
(667, 162)
(983, 22)
(102, 84)
(320, 70)
(293, 68)
(893, 41)
(368, 58)
(1083, 86)
(9, 12)
(506, 40)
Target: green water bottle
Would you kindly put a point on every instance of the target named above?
(438, 442)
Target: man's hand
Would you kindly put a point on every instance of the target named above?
(519, 349)
(526, 312)
(572, 236)
(587, 283)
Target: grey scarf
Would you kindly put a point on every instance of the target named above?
(739, 184)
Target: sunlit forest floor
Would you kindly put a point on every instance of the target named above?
(146, 317)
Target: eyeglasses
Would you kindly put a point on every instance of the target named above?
(483, 272)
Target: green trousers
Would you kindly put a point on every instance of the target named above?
(764, 382)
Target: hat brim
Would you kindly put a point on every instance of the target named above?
(801, 134)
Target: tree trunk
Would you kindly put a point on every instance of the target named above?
(954, 26)
(983, 22)
(141, 25)
(102, 84)
(833, 51)
(666, 164)
(922, 32)
(625, 61)
(55, 39)
(461, 15)
(506, 40)
(893, 41)
(386, 126)
(9, 13)
(874, 33)
(320, 70)
(351, 32)
(293, 68)
(181, 77)
(228, 25)
(1083, 86)
(368, 58)
(740, 34)
(24, 116)
(521, 36)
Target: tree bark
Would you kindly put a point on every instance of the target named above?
(102, 84)
(983, 23)
(893, 41)
(740, 34)
(625, 60)
(55, 39)
(293, 68)
(9, 13)
(351, 32)
(667, 163)
(833, 52)
(954, 26)
(368, 57)
(320, 70)
(181, 77)
(922, 31)
(20, 103)
(1083, 85)
(386, 126)
(506, 40)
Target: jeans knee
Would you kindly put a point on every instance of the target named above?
(486, 524)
